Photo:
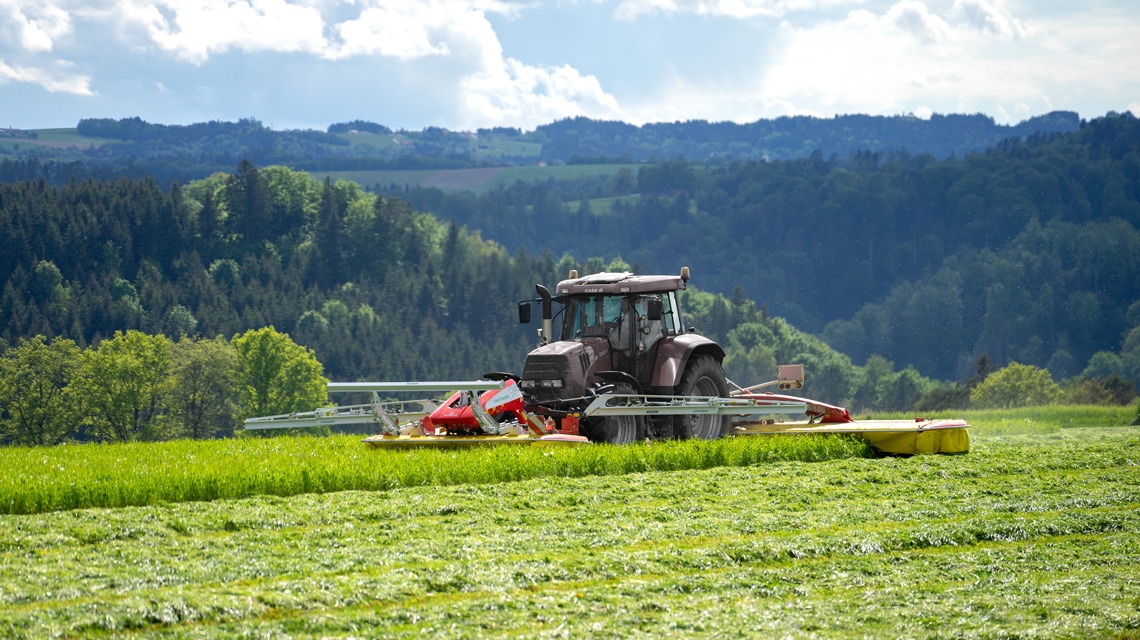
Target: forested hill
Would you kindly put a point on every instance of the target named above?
(582, 139)
(103, 148)
(1027, 252)
(376, 289)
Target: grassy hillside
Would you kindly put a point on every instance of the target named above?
(478, 180)
(1027, 535)
(61, 139)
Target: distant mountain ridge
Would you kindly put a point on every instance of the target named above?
(132, 147)
(790, 137)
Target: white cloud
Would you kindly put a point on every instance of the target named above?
(516, 94)
(54, 82)
(984, 16)
(913, 17)
(491, 89)
(634, 9)
(192, 30)
(401, 30)
(443, 61)
(909, 58)
(469, 72)
(34, 26)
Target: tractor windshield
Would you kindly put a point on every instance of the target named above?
(591, 316)
(600, 316)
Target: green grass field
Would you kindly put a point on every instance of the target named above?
(1034, 533)
(137, 474)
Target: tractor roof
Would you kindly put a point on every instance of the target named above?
(625, 282)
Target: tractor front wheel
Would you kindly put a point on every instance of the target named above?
(703, 377)
(617, 429)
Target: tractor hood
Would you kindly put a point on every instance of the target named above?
(561, 369)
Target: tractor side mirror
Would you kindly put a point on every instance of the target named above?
(524, 313)
(654, 310)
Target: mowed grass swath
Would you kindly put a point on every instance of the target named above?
(117, 475)
(1028, 535)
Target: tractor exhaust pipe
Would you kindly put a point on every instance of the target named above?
(547, 314)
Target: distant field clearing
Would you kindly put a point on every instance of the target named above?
(479, 179)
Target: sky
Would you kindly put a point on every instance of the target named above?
(465, 64)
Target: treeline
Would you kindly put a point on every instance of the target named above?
(134, 148)
(756, 342)
(135, 386)
(212, 135)
(787, 137)
(1025, 252)
(377, 289)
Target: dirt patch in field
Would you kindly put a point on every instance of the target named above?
(461, 178)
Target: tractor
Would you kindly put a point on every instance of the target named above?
(621, 334)
(624, 369)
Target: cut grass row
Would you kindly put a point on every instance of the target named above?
(1032, 535)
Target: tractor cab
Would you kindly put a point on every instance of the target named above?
(621, 334)
(632, 325)
(614, 328)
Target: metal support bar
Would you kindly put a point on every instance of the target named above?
(357, 414)
(612, 404)
(788, 376)
(394, 387)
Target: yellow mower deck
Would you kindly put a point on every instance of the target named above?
(900, 437)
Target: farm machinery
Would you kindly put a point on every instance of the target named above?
(623, 368)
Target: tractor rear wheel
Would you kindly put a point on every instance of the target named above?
(617, 429)
(703, 377)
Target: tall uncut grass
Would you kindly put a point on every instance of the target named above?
(1029, 420)
(43, 479)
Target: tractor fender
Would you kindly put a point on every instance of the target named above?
(615, 377)
(673, 356)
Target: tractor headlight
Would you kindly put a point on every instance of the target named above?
(551, 384)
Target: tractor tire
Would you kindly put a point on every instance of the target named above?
(703, 377)
(617, 429)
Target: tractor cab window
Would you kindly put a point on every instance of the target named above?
(648, 331)
(618, 317)
(591, 316)
(670, 318)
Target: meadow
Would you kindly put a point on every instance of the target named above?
(1034, 533)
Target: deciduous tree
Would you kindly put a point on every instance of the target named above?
(120, 386)
(33, 376)
(203, 398)
(1017, 385)
(276, 375)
